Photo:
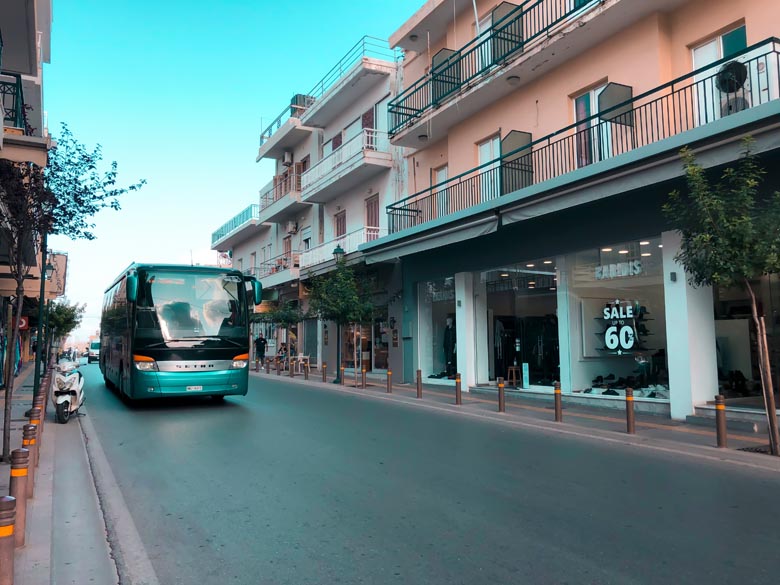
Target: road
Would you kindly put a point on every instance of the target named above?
(300, 485)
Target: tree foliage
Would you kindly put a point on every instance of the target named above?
(729, 232)
(64, 318)
(340, 296)
(284, 316)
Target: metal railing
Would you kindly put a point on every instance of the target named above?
(348, 242)
(275, 265)
(12, 101)
(366, 47)
(282, 185)
(368, 140)
(688, 102)
(531, 22)
(237, 222)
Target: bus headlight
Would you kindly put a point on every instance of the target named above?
(145, 364)
(240, 361)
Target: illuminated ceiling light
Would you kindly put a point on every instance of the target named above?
(645, 254)
(531, 286)
(606, 249)
(532, 282)
(660, 245)
(529, 265)
(622, 251)
(504, 274)
(644, 243)
(548, 261)
(552, 288)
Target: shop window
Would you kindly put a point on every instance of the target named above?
(618, 332)
(522, 304)
(436, 340)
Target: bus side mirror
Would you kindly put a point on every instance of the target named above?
(132, 287)
(257, 289)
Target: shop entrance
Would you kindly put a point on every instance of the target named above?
(523, 323)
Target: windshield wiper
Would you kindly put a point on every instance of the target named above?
(211, 339)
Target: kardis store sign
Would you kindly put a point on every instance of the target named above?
(619, 269)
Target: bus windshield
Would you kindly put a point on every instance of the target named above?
(189, 309)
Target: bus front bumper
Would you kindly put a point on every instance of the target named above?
(171, 384)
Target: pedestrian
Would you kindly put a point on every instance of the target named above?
(260, 345)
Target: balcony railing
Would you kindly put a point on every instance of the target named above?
(282, 185)
(275, 265)
(348, 242)
(368, 140)
(689, 102)
(12, 100)
(525, 25)
(247, 215)
(365, 47)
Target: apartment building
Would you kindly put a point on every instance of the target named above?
(335, 171)
(542, 140)
(25, 44)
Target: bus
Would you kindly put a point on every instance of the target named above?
(169, 330)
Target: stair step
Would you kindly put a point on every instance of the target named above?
(742, 426)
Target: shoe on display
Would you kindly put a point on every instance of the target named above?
(610, 377)
(610, 392)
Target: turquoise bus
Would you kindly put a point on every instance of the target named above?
(169, 330)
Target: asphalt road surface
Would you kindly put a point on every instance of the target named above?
(298, 485)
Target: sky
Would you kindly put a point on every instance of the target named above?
(176, 91)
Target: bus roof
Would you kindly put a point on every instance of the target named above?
(177, 267)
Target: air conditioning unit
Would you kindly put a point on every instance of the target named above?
(287, 159)
(292, 227)
(747, 81)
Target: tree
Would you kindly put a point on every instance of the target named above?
(64, 318)
(340, 297)
(58, 199)
(730, 236)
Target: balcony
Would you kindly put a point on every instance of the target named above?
(730, 87)
(369, 61)
(283, 197)
(353, 163)
(515, 50)
(237, 229)
(278, 270)
(12, 99)
(286, 131)
(349, 243)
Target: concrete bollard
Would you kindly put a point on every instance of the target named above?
(720, 421)
(324, 372)
(501, 396)
(558, 405)
(630, 423)
(7, 519)
(458, 391)
(389, 381)
(20, 459)
(29, 443)
(419, 383)
(363, 378)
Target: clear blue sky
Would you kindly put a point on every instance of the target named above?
(175, 91)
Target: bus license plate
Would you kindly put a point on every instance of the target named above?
(194, 388)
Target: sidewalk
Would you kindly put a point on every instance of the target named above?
(587, 422)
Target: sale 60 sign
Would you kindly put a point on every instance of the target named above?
(619, 336)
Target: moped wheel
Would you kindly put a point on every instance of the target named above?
(63, 412)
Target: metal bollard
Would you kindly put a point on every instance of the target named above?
(257, 365)
(558, 405)
(389, 381)
(356, 377)
(501, 396)
(7, 518)
(291, 368)
(720, 421)
(278, 368)
(363, 378)
(29, 443)
(324, 372)
(40, 403)
(267, 365)
(458, 392)
(305, 371)
(343, 379)
(630, 426)
(20, 459)
(35, 419)
(419, 383)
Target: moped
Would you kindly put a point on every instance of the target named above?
(67, 390)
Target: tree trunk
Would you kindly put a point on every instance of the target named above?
(765, 369)
(9, 389)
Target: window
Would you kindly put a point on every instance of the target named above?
(372, 218)
(708, 95)
(439, 177)
(287, 243)
(241, 264)
(720, 47)
(306, 238)
(490, 183)
(340, 224)
(485, 51)
(593, 139)
(253, 262)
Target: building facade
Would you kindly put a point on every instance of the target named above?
(541, 141)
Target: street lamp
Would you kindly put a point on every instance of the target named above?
(49, 271)
(338, 256)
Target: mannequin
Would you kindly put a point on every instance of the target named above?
(449, 347)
